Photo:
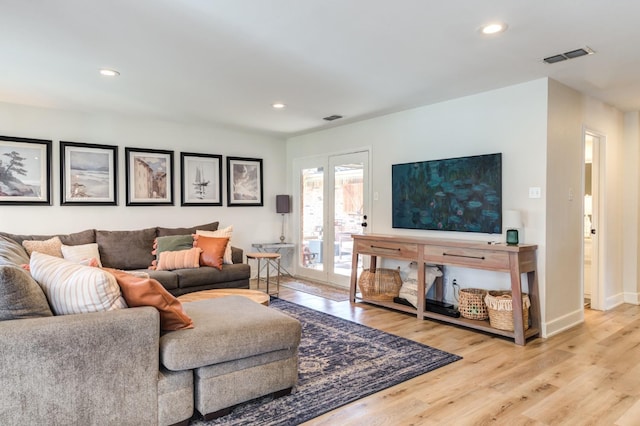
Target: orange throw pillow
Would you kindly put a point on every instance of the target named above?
(139, 291)
(212, 250)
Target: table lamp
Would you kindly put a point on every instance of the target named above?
(283, 206)
(512, 221)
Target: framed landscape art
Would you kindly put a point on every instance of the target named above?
(149, 177)
(88, 174)
(25, 171)
(244, 181)
(201, 179)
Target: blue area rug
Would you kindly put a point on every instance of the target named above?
(340, 362)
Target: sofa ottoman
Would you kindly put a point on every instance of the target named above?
(239, 350)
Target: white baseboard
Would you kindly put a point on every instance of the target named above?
(565, 322)
(633, 298)
(613, 301)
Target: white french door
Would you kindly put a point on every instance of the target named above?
(332, 192)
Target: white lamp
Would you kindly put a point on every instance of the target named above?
(512, 222)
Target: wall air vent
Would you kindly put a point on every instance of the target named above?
(332, 117)
(583, 51)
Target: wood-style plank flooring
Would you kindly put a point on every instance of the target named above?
(588, 375)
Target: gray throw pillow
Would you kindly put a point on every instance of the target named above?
(12, 253)
(163, 232)
(126, 249)
(173, 243)
(20, 296)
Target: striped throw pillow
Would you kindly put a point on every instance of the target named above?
(72, 288)
(181, 259)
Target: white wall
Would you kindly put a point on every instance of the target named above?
(512, 121)
(565, 162)
(630, 208)
(251, 224)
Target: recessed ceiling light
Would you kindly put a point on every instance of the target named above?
(109, 73)
(493, 28)
(278, 105)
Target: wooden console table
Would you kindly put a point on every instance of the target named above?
(515, 260)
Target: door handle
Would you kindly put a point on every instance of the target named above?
(593, 232)
(363, 224)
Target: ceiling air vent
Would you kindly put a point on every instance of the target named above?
(583, 51)
(332, 117)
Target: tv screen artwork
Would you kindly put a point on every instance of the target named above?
(455, 194)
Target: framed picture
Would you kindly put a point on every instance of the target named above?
(149, 177)
(25, 171)
(244, 181)
(201, 179)
(88, 174)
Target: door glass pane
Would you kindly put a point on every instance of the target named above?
(348, 213)
(312, 187)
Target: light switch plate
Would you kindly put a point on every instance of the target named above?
(535, 192)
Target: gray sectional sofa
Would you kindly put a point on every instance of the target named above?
(131, 251)
(117, 367)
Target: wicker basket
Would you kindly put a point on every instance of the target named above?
(500, 306)
(380, 284)
(472, 304)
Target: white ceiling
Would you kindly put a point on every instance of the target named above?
(224, 62)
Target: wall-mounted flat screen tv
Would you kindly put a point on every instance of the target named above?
(453, 194)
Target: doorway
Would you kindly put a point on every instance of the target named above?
(333, 204)
(591, 284)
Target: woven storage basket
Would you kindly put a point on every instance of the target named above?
(472, 304)
(500, 306)
(380, 284)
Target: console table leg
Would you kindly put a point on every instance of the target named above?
(516, 300)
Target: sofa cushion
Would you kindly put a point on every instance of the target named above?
(52, 246)
(83, 237)
(206, 275)
(139, 291)
(72, 288)
(20, 296)
(81, 252)
(227, 328)
(221, 233)
(182, 231)
(12, 252)
(126, 249)
(212, 250)
(168, 279)
(181, 259)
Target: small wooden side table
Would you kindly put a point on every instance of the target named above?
(268, 257)
(256, 296)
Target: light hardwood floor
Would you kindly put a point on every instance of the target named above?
(588, 375)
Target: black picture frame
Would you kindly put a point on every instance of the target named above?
(201, 179)
(149, 177)
(244, 182)
(25, 171)
(88, 174)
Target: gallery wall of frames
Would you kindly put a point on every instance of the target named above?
(89, 175)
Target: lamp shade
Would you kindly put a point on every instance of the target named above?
(512, 219)
(283, 204)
